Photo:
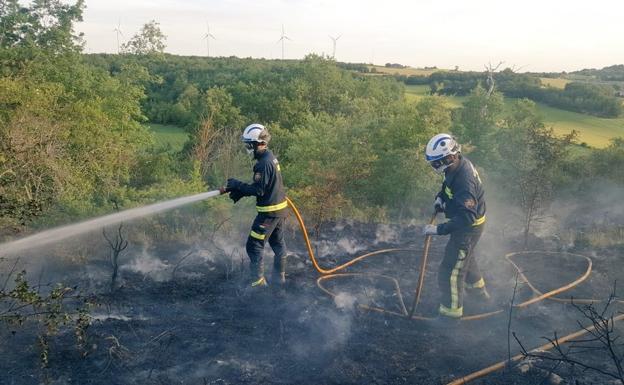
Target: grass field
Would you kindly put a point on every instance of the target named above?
(404, 71)
(165, 135)
(595, 131)
(555, 82)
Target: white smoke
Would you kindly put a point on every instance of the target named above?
(386, 234)
(345, 301)
(149, 266)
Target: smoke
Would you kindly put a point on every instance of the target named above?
(386, 234)
(323, 329)
(345, 301)
(150, 266)
(342, 246)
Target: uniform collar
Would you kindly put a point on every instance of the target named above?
(449, 176)
(261, 154)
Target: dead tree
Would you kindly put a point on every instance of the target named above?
(490, 77)
(601, 339)
(116, 246)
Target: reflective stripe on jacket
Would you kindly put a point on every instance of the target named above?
(462, 193)
(267, 186)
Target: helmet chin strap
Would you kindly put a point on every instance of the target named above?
(441, 169)
(446, 163)
(253, 151)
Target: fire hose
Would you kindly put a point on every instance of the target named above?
(331, 273)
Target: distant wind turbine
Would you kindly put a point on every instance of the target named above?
(334, 40)
(207, 37)
(281, 39)
(119, 33)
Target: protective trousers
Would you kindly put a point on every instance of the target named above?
(266, 228)
(459, 270)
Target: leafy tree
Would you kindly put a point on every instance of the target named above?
(476, 122)
(532, 156)
(149, 40)
(401, 178)
(44, 24)
(69, 131)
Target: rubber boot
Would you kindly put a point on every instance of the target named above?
(259, 283)
(256, 272)
(483, 293)
(279, 277)
(279, 269)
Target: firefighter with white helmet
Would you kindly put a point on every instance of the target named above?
(268, 188)
(461, 199)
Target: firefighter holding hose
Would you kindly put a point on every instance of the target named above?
(268, 188)
(461, 199)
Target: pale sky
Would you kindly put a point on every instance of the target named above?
(534, 35)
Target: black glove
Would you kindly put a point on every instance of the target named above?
(233, 184)
(235, 195)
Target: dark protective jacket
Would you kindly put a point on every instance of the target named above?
(267, 185)
(462, 193)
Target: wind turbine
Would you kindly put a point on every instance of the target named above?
(119, 33)
(282, 38)
(207, 37)
(334, 40)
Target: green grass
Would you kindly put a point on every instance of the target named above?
(166, 135)
(416, 92)
(595, 131)
(403, 71)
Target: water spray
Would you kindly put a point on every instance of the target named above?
(61, 233)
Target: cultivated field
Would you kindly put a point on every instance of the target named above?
(595, 131)
(555, 82)
(403, 71)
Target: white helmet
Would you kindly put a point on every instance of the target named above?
(438, 148)
(253, 134)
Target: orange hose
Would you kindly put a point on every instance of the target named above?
(423, 268)
(518, 357)
(330, 274)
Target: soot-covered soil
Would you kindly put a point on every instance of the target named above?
(199, 326)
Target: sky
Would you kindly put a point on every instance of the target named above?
(528, 35)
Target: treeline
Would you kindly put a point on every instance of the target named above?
(285, 92)
(588, 98)
(611, 73)
(73, 141)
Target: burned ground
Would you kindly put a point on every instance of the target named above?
(192, 323)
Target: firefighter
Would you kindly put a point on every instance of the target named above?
(461, 199)
(268, 188)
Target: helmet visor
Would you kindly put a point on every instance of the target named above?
(440, 165)
(249, 147)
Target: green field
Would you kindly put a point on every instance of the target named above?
(164, 135)
(403, 71)
(592, 130)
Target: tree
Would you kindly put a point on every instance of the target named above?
(531, 156)
(476, 123)
(149, 40)
(68, 131)
(45, 24)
